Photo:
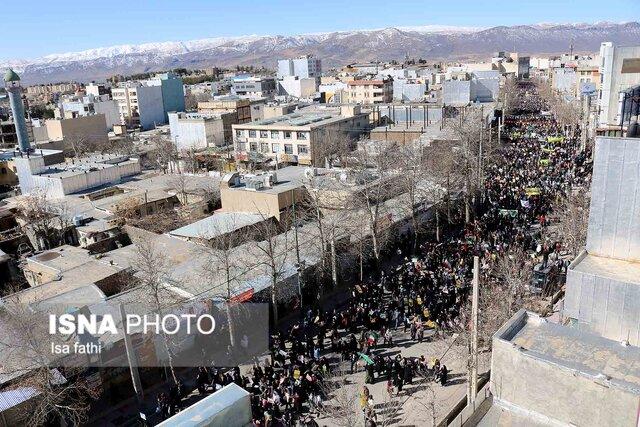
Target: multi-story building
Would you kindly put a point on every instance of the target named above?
(52, 88)
(90, 129)
(147, 103)
(90, 105)
(304, 67)
(619, 70)
(369, 91)
(139, 105)
(300, 137)
(223, 104)
(199, 130)
(297, 87)
(97, 89)
(172, 92)
(254, 87)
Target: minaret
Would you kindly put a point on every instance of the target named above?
(14, 89)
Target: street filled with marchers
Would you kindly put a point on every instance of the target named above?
(423, 294)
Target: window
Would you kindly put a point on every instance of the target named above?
(264, 134)
(275, 148)
(288, 148)
(252, 134)
(264, 147)
(287, 134)
(242, 146)
(303, 149)
(301, 135)
(275, 134)
(239, 133)
(253, 146)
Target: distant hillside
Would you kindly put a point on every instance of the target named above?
(335, 48)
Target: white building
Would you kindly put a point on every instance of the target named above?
(304, 67)
(619, 70)
(90, 105)
(297, 87)
(409, 90)
(60, 179)
(139, 105)
(196, 130)
(254, 87)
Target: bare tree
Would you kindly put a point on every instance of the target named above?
(153, 269)
(218, 248)
(413, 184)
(166, 153)
(469, 130)
(375, 174)
(48, 220)
(573, 221)
(57, 394)
(341, 406)
(331, 146)
(273, 253)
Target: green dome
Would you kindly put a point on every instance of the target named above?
(11, 76)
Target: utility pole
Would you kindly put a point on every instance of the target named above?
(473, 347)
(131, 358)
(295, 233)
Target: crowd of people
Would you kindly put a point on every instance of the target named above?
(424, 294)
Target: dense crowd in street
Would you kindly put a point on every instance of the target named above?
(424, 294)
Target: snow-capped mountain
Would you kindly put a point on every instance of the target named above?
(335, 48)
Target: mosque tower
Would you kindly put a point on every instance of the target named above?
(14, 89)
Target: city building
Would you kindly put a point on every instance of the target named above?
(409, 90)
(332, 92)
(59, 179)
(52, 88)
(147, 103)
(81, 130)
(485, 86)
(89, 105)
(298, 137)
(297, 87)
(369, 91)
(456, 92)
(223, 104)
(304, 67)
(97, 89)
(139, 105)
(254, 87)
(619, 70)
(200, 130)
(172, 92)
(261, 196)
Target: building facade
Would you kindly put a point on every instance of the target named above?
(619, 70)
(303, 67)
(300, 137)
(369, 91)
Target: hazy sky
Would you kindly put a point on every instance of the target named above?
(39, 27)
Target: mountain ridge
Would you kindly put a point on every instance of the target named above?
(334, 48)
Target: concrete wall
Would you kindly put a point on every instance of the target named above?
(456, 92)
(615, 79)
(614, 214)
(92, 129)
(604, 305)
(553, 391)
(150, 106)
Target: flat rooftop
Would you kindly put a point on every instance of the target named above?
(585, 353)
(217, 225)
(610, 268)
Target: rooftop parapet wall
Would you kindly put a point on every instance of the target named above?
(614, 217)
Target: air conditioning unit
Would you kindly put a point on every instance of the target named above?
(254, 185)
